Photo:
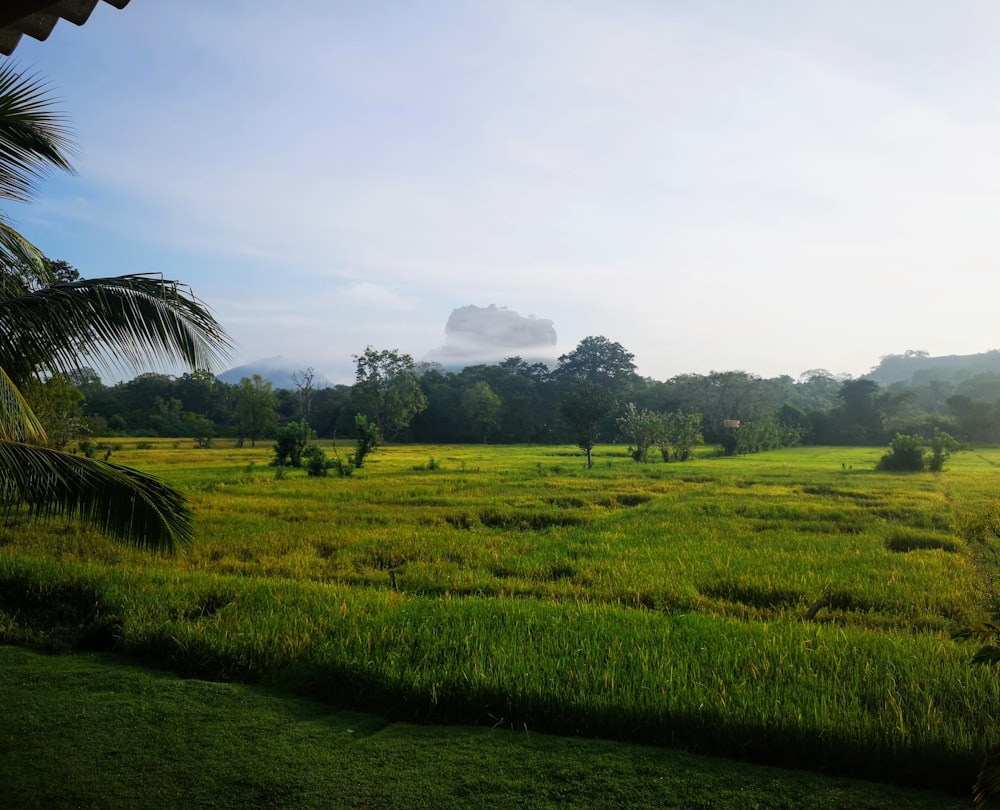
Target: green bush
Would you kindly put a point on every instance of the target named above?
(316, 461)
(293, 439)
(906, 454)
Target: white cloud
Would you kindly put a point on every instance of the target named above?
(774, 189)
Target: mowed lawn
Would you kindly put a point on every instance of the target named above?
(793, 608)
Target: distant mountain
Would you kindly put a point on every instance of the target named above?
(920, 367)
(278, 370)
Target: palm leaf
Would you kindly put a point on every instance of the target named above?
(981, 631)
(135, 321)
(986, 792)
(17, 421)
(23, 263)
(127, 504)
(33, 136)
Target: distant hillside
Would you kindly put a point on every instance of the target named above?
(278, 370)
(920, 367)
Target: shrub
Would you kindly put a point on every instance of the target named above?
(367, 440)
(942, 446)
(316, 462)
(292, 441)
(906, 454)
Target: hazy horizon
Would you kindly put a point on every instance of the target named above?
(765, 187)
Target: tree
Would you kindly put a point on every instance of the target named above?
(367, 440)
(387, 390)
(482, 407)
(49, 326)
(942, 446)
(598, 361)
(586, 405)
(256, 413)
(303, 381)
(641, 429)
(681, 434)
(863, 419)
(290, 447)
(57, 404)
(63, 271)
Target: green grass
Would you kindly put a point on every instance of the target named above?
(655, 603)
(93, 731)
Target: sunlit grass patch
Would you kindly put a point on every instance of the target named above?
(630, 600)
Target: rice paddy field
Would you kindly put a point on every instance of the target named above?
(794, 608)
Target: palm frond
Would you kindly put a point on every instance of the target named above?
(33, 136)
(135, 321)
(988, 654)
(23, 264)
(129, 505)
(986, 792)
(17, 421)
(981, 631)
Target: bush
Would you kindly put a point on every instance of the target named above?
(316, 462)
(906, 454)
(343, 469)
(942, 446)
(367, 440)
(292, 441)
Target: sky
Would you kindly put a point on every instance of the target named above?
(770, 186)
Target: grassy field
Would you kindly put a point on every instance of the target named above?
(509, 587)
(91, 730)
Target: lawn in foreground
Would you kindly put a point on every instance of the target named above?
(91, 730)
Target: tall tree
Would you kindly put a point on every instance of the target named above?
(584, 408)
(49, 326)
(387, 389)
(482, 407)
(256, 409)
(598, 361)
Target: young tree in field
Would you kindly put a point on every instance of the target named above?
(482, 407)
(641, 429)
(48, 326)
(256, 409)
(584, 408)
(681, 434)
(291, 444)
(387, 390)
(942, 446)
(593, 376)
(366, 440)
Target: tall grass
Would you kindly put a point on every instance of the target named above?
(659, 603)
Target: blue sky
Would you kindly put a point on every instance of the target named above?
(767, 186)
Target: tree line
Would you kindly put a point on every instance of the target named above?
(589, 396)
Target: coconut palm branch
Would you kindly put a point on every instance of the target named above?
(134, 322)
(24, 262)
(34, 135)
(127, 321)
(124, 503)
(47, 327)
(17, 421)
